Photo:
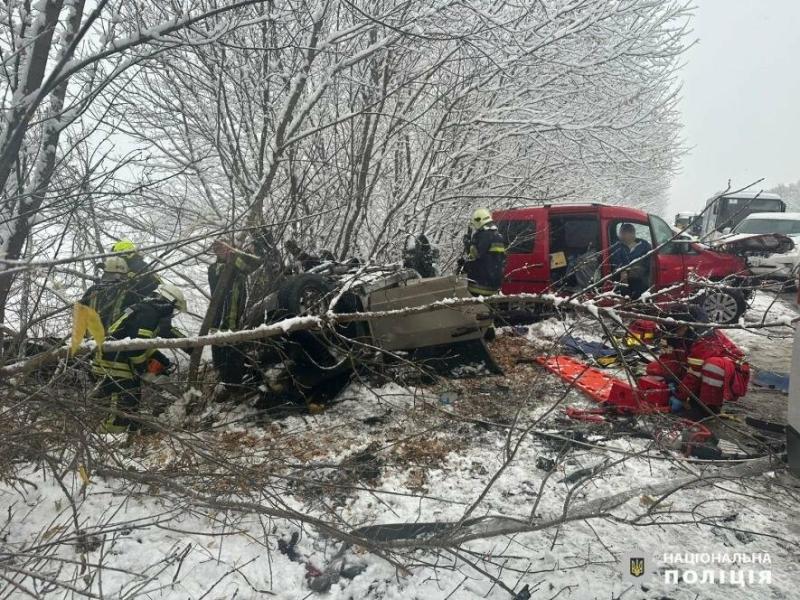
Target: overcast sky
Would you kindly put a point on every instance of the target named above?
(741, 99)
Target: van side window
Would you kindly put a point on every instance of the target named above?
(642, 232)
(518, 236)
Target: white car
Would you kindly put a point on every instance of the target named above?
(778, 266)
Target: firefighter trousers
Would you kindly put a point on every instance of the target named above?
(120, 395)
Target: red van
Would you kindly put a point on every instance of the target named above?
(565, 247)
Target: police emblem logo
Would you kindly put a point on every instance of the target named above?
(637, 566)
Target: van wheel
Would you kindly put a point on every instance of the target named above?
(304, 294)
(724, 305)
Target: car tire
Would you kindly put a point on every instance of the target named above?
(307, 293)
(723, 305)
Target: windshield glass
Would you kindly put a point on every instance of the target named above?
(784, 226)
(733, 210)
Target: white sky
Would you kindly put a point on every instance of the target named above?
(741, 99)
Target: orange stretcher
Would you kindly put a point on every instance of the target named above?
(649, 396)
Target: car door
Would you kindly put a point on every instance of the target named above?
(669, 268)
(525, 236)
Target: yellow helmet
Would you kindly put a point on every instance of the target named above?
(124, 245)
(480, 217)
(115, 264)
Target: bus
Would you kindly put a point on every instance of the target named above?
(727, 211)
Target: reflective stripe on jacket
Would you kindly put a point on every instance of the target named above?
(233, 303)
(147, 319)
(715, 344)
(108, 299)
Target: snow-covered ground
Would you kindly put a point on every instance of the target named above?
(771, 348)
(428, 454)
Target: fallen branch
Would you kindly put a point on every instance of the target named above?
(309, 323)
(453, 534)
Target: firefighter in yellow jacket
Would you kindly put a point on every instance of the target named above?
(121, 372)
(486, 257)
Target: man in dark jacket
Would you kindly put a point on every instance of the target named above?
(110, 296)
(229, 360)
(121, 373)
(486, 259)
(629, 252)
(125, 281)
(143, 281)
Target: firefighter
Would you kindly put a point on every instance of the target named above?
(229, 360)
(121, 373)
(143, 281)
(110, 296)
(707, 367)
(486, 256)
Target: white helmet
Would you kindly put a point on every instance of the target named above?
(480, 218)
(172, 294)
(115, 264)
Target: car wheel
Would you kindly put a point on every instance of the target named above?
(723, 305)
(307, 293)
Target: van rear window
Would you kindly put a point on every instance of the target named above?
(518, 236)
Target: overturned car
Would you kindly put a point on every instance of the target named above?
(310, 363)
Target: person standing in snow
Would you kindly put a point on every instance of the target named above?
(229, 361)
(707, 367)
(121, 373)
(628, 253)
(486, 256)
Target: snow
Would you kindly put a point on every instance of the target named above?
(768, 349)
(433, 463)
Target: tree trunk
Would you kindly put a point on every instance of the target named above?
(17, 212)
